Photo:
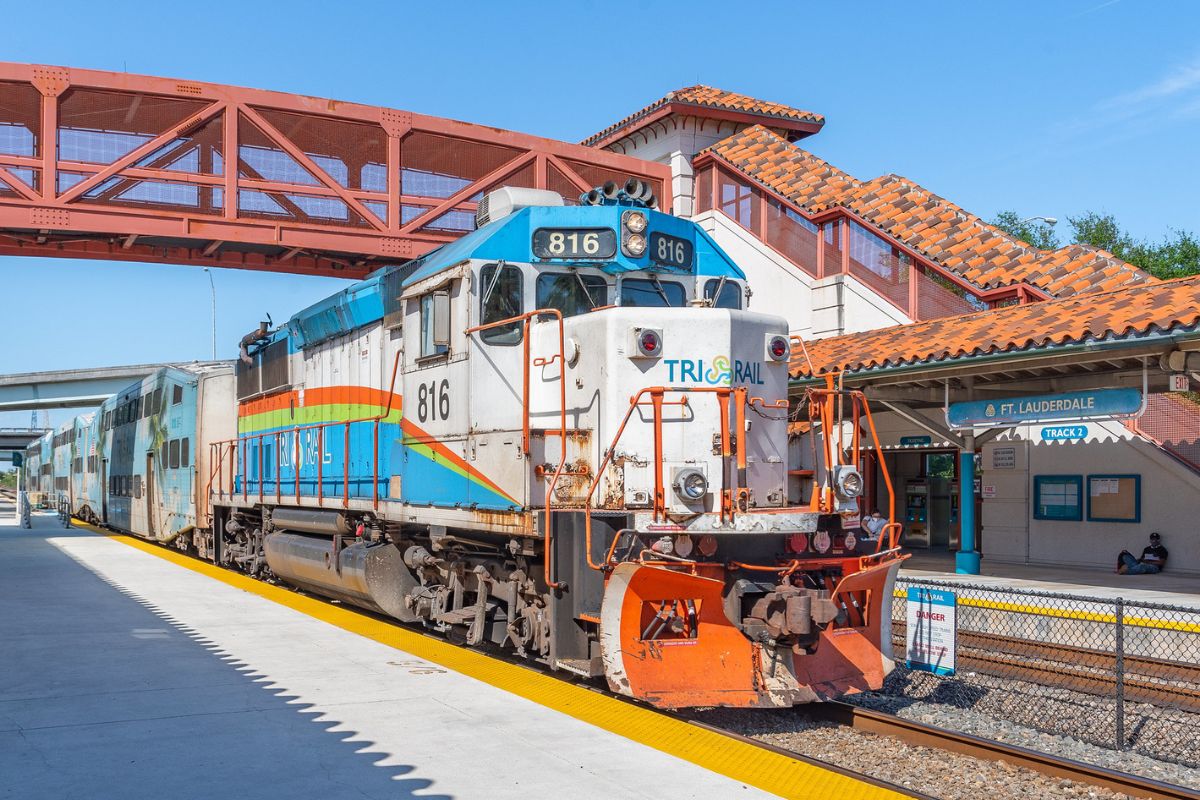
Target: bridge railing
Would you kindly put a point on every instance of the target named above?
(107, 165)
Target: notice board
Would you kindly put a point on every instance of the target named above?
(1114, 498)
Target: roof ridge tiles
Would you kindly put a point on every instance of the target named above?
(1131, 310)
(917, 217)
(703, 96)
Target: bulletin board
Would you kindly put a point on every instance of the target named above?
(1114, 498)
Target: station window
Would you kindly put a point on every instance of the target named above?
(173, 450)
(730, 297)
(176, 395)
(571, 293)
(652, 293)
(1058, 497)
(501, 297)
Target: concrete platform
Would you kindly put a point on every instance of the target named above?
(130, 671)
(1165, 587)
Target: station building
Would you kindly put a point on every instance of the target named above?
(924, 304)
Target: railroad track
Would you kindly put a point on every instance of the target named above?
(874, 722)
(1159, 682)
(922, 735)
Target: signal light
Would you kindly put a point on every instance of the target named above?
(778, 348)
(648, 342)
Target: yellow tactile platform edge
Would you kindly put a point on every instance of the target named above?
(763, 769)
(1065, 613)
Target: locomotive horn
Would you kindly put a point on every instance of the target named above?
(650, 200)
(249, 339)
(609, 190)
(634, 189)
(594, 198)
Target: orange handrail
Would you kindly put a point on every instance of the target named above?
(525, 319)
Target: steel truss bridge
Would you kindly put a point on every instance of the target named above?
(106, 165)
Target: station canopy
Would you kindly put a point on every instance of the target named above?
(1136, 337)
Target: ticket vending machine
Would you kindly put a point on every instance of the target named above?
(916, 514)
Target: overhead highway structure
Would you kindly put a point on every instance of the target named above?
(73, 388)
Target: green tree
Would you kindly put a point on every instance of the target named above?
(1177, 255)
(1035, 232)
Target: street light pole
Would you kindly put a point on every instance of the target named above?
(1051, 221)
(213, 288)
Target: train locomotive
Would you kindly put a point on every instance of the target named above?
(563, 435)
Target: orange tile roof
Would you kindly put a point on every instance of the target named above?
(1129, 311)
(941, 231)
(706, 97)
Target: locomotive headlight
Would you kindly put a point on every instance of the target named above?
(691, 485)
(634, 221)
(847, 482)
(635, 244)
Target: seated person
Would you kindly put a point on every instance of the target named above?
(874, 524)
(1153, 559)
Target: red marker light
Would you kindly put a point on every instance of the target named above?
(649, 342)
(778, 348)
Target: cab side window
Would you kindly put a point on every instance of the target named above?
(501, 297)
(435, 324)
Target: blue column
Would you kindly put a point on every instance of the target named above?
(966, 560)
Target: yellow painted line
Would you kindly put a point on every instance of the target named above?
(1064, 613)
(758, 767)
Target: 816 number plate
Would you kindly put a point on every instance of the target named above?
(574, 243)
(670, 251)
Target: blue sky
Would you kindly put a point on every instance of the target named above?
(1048, 108)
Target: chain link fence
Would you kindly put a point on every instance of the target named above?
(1116, 673)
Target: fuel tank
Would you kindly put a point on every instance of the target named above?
(371, 576)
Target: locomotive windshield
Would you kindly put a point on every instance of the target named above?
(652, 292)
(571, 292)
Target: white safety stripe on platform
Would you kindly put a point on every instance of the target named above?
(466, 737)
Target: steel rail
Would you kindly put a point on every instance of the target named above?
(920, 734)
(1163, 683)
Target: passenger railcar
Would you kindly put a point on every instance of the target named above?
(39, 471)
(140, 453)
(563, 434)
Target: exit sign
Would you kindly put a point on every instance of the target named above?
(1179, 382)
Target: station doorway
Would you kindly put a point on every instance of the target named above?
(926, 482)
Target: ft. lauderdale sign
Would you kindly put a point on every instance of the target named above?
(1096, 404)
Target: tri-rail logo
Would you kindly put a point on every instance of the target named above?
(720, 372)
